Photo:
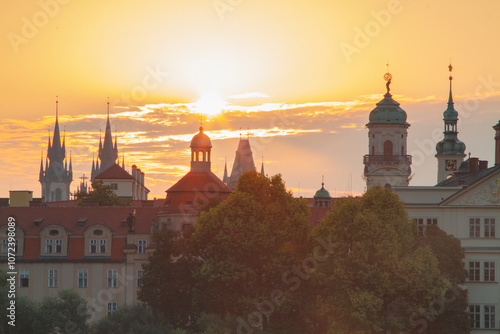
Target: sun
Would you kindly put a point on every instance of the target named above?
(210, 104)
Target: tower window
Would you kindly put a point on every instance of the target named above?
(373, 150)
(388, 148)
(402, 150)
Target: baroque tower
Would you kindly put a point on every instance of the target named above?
(450, 151)
(57, 176)
(107, 154)
(387, 163)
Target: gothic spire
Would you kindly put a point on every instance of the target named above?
(225, 178)
(107, 153)
(262, 167)
(56, 151)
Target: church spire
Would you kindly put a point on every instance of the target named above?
(225, 179)
(56, 152)
(262, 167)
(107, 153)
(40, 175)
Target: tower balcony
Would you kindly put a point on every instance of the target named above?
(387, 159)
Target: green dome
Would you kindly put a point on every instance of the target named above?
(450, 147)
(322, 193)
(388, 111)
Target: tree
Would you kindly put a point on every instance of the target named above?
(133, 319)
(452, 317)
(67, 312)
(64, 313)
(375, 279)
(246, 244)
(103, 194)
(168, 279)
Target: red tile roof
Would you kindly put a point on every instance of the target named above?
(31, 248)
(68, 217)
(114, 172)
(117, 248)
(200, 182)
(76, 248)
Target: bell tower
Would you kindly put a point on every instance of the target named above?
(387, 162)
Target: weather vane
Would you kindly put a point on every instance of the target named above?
(388, 77)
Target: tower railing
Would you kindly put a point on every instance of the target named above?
(381, 159)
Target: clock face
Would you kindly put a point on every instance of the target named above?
(450, 165)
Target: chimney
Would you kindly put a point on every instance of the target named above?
(473, 165)
(483, 164)
(134, 172)
(497, 143)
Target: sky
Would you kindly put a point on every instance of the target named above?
(299, 78)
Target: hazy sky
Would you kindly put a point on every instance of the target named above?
(301, 76)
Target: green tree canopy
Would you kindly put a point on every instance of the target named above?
(246, 244)
(375, 279)
(103, 194)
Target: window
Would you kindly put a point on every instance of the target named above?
(102, 246)
(489, 271)
(489, 316)
(48, 246)
(58, 246)
(24, 278)
(83, 275)
(388, 148)
(474, 227)
(141, 246)
(475, 316)
(114, 186)
(140, 273)
(422, 223)
(474, 271)
(5, 246)
(489, 227)
(93, 246)
(111, 308)
(53, 278)
(112, 278)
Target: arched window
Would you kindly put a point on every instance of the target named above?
(388, 148)
(373, 150)
(198, 156)
(402, 150)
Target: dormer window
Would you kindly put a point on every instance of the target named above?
(97, 238)
(53, 240)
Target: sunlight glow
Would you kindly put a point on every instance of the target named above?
(210, 104)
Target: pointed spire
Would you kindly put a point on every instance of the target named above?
(450, 98)
(107, 153)
(41, 167)
(123, 159)
(56, 152)
(225, 178)
(70, 164)
(48, 146)
(262, 167)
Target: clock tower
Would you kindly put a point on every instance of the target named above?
(450, 151)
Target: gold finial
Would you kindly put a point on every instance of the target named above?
(201, 122)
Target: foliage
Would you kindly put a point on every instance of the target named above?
(452, 317)
(168, 279)
(246, 244)
(133, 319)
(103, 194)
(375, 278)
(60, 314)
